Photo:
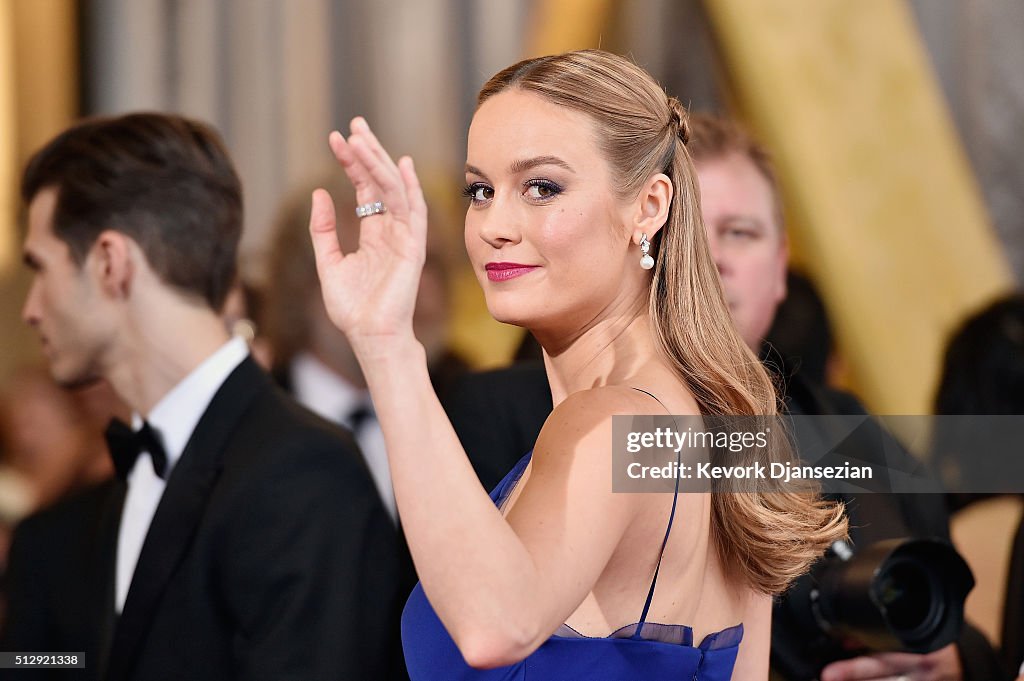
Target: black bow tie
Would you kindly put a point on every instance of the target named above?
(126, 444)
(358, 417)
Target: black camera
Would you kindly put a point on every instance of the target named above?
(894, 595)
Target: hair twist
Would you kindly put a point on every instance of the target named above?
(679, 118)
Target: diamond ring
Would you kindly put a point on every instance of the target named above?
(368, 209)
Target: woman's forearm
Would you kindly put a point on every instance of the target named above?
(479, 576)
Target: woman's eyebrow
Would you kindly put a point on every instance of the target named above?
(523, 165)
(473, 170)
(527, 164)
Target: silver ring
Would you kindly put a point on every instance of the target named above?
(368, 209)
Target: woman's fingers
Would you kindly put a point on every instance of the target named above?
(376, 156)
(385, 178)
(371, 170)
(413, 190)
(356, 170)
(322, 221)
(377, 178)
(382, 168)
(359, 126)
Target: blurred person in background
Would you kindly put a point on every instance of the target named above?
(53, 436)
(242, 536)
(983, 374)
(243, 314)
(742, 208)
(801, 333)
(497, 414)
(51, 445)
(312, 359)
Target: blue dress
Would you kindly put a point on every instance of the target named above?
(637, 652)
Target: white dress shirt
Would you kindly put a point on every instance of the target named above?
(332, 397)
(174, 418)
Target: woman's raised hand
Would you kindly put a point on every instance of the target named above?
(370, 293)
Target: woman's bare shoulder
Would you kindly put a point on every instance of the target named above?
(586, 416)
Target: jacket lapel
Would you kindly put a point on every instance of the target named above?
(104, 577)
(180, 511)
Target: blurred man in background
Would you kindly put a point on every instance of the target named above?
(742, 210)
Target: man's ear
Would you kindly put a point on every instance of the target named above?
(652, 206)
(111, 262)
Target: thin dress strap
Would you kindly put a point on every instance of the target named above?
(664, 542)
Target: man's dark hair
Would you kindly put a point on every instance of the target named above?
(163, 180)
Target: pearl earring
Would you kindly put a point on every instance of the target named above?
(646, 262)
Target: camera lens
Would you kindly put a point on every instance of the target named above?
(897, 594)
(905, 590)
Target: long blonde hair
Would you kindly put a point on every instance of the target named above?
(770, 536)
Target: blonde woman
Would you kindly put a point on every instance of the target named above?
(584, 227)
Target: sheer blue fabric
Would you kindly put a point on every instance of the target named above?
(645, 650)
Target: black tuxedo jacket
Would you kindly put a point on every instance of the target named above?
(269, 556)
(498, 415)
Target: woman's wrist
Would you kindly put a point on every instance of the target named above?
(381, 352)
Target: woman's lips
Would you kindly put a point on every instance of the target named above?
(503, 271)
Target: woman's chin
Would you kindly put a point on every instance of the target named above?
(506, 315)
(510, 320)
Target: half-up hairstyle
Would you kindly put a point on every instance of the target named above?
(771, 537)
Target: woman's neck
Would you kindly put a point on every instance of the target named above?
(606, 353)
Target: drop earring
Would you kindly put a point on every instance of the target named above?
(646, 261)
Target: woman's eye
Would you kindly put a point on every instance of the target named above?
(542, 189)
(478, 193)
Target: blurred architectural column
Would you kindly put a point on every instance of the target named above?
(38, 90)
(38, 98)
(258, 70)
(495, 32)
(978, 53)
(415, 72)
(563, 25)
(306, 87)
(127, 54)
(8, 143)
(200, 49)
(270, 94)
(251, 74)
(889, 216)
(673, 41)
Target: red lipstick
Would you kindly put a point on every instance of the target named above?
(503, 271)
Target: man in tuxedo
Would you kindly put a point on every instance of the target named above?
(242, 537)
